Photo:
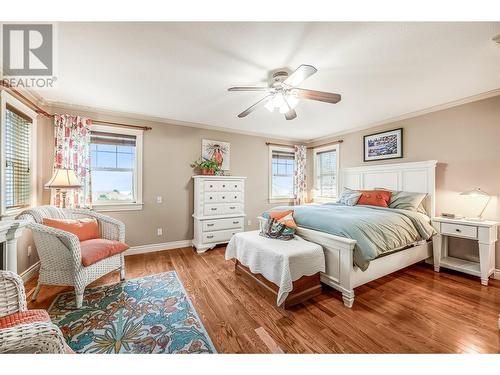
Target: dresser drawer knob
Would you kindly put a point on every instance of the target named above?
(458, 230)
(235, 197)
(211, 198)
(210, 225)
(232, 208)
(214, 208)
(223, 185)
(236, 222)
(223, 197)
(210, 236)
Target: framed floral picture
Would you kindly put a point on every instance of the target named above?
(384, 145)
(217, 151)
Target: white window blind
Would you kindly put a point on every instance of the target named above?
(283, 167)
(17, 141)
(113, 167)
(326, 173)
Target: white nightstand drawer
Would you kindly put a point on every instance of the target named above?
(230, 196)
(219, 224)
(459, 230)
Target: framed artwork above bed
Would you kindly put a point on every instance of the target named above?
(383, 145)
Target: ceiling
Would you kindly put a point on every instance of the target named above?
(181, 71)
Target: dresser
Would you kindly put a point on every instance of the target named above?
(219, 210)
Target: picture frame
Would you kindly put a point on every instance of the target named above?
(218, 151)
(383, 145)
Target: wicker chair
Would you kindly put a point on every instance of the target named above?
(59, 251)
(22, 337)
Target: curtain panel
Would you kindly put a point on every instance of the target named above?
(300, 184)
(72, 151)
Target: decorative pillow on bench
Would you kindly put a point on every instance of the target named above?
(280, 225)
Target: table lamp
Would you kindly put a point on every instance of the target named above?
(477, 193)
(62, 180)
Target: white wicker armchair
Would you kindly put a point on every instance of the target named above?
(39, 337)
(59, 251)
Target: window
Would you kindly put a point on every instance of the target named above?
(116, 168)
(325, 173)
(282, 167)
(18, 150)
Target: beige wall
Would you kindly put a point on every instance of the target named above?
(465, 140)
(168, 152)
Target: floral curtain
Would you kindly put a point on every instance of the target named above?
(72, 150)
(300, 175)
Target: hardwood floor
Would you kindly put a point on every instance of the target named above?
(411, 311)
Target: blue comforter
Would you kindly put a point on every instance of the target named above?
(377, 230)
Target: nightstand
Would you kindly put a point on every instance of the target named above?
(484, 232)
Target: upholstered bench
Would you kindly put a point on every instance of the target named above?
(289, 270)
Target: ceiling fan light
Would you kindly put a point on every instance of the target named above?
(270, 105)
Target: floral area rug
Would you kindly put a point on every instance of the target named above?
(152, 314)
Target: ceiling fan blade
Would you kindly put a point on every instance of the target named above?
(300, 75)
(321, 96)
(255, 106)
(291, 114)
(248, 88)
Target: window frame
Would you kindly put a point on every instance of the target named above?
(273, 199)
(317, 150)
(8, 99)
(138, 177)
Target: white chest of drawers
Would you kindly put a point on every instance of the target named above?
(219, 210)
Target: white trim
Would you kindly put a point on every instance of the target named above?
(27, 274)
(6, 98)
(316, 150)
(272, 199)
(115, 207)
(138, 180)
(496, 274)
(142, 249)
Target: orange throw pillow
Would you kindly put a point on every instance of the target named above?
(98, 249)
(379, 198)
(284, 217)
(84, 229)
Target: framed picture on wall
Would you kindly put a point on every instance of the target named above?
(384, 145)
(217, 151)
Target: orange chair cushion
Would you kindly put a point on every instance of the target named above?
(24, 317)
(84, 229)
(98, 249)
(379, 198)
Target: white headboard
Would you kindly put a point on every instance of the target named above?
(417, 177)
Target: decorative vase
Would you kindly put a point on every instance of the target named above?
(207, 172)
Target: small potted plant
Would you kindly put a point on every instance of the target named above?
(206, 167)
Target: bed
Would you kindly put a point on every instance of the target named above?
(345, 269)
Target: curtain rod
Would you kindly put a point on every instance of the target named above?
(310, 147)
(40, 111)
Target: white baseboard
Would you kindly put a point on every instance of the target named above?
(30, 272)
(496, 274)
(141, 249)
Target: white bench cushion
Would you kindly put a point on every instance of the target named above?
(280, 262)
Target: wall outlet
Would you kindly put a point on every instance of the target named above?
(159, 231)
(249, 222)
(159, 199)
(29, 251)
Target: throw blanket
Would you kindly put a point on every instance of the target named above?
(280, 262)
(377, 230)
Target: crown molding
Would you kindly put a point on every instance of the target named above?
(406, 116)
(101, 112)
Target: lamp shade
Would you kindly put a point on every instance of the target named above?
(63, 179)
(475, 193)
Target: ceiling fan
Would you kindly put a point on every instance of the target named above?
(284, 95)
